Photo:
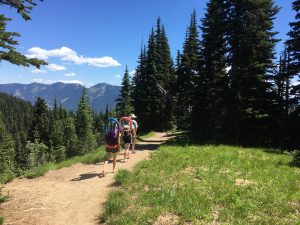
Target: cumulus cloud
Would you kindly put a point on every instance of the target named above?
(38, 71)
(55, 67)
(43, 81)
(117, 76)
(67, 54)
(70, 75)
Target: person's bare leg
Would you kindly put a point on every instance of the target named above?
(127, 146)
(107, 156)
(114, 161)
(133, 145)
(124, 154)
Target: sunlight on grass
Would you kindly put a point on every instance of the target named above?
(209, 184)
(147, 135)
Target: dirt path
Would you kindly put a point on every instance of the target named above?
(68, 196)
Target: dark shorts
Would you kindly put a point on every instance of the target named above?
(127, 139)
(112, 150)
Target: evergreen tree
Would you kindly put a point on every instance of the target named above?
(17, 116)
(251, 42)
(7, 39)
(40, 126)
(293, 44)
(165, 74)
(57, 139)
(124, 102)
(153, 83)
(188, 70)
(138, 81)
(211, 99)
(294, 39)
(7, 153)
(70, 137)
(37, 153)
(84, 125)
(151, 96)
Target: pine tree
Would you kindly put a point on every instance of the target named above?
(188, 70)
(7, 39)
(151, 96)
(57, 139)
(138, 81)
(124, 102)
(294, 39)
(293, 44)
(211, 98)
(166, 74)
(7, 153)
(251, 42)
(84, 125)
(70, 137)
(40, 126)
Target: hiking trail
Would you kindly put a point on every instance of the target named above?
(70, 195)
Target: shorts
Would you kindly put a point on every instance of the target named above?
(112, 150)
(127, 139)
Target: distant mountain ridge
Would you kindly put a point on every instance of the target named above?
(100, 95)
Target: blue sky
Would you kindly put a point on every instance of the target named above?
(92, 41)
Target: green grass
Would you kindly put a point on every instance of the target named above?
(146, 135)
(199, 185)
(91, 157)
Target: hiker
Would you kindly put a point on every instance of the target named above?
(134, 132)
(126, 135)
(112, 138)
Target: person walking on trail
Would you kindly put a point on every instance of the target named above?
(112, 150)
(134, 132)
(126, 135)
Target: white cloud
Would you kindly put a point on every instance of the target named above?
(117, 76)
(71, 82)
(89, 85)
(132, 72)
(38, 71)
(43, 81)
(70, 75)
(55, 67)
(67, 54)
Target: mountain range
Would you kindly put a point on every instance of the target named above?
(68, 95)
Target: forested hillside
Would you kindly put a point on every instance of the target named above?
(33, 135)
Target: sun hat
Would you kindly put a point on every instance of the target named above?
(133, 116)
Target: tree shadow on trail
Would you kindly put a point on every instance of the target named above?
(86, 176)
(143, 147)
(143, 140)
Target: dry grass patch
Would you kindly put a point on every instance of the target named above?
(167, 219)
(242, 182)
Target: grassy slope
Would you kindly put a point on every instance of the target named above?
(197, 185)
